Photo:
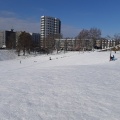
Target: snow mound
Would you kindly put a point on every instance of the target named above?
(7, 55)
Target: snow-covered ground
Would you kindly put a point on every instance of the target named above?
(71, 86)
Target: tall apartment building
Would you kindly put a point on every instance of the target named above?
(49, 26)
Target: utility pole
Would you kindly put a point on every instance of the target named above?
(110, 54)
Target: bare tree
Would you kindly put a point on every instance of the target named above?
(117, 38)
(65, 45)
(94, 34)
(87, 38)
(50, 42)
(83, 35)
(24, 43)
(57, 36)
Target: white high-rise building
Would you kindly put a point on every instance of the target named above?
(49, 26)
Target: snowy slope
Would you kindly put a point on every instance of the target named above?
(71, 86)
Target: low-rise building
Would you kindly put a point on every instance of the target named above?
(2, 39)
(8, 39)
(74, 44)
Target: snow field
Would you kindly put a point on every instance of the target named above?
(71, 86)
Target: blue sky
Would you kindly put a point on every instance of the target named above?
(75, 15)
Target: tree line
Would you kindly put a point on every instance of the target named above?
(26, 44)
